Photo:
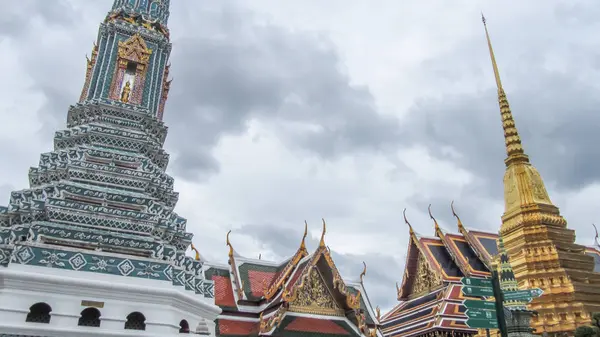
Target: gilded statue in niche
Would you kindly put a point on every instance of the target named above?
(425, 278)
(125, 92)
(314, 297)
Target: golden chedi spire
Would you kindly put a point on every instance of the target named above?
(542, 250)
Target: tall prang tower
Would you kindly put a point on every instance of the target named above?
(93, 246)
(542, 250)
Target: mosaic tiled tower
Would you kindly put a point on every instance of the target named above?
(96, 229)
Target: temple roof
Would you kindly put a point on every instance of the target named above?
(304, 293)
(429, 295)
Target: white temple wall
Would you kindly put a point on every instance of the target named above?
(162, 304)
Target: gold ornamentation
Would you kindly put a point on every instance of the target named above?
(197, 257)
(537, 186)
(322, 243)
(232, 264)
(125, 92)
(228, 243)
(461, 228)
(438, 232)
(88, 74)
(511, 195)
(531, 221)
(425, 279)
(291, 266)
(303, 244)
(410, 229)
(378, 311)
(312, 296)
(353, 301)
(364, 272)
(267, 325)
(134, 49)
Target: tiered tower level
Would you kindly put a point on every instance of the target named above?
(99, 209)
(542, 250)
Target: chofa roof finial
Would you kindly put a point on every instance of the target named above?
(322, 243)
(408, 223)
(229, 244)
(303, 243)
(460, 225)
(364, 272)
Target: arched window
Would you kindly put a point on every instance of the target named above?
(184, 327)
(135, 321)
(39, 313)
(89, 317)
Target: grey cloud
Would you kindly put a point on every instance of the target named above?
(382, 270)
(227, 77)
(16, 15)
(229, 68)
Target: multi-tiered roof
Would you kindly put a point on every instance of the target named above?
(301, 296)
(430, 293)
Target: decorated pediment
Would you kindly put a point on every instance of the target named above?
(313, 296)
(425, 278)
(134, 49)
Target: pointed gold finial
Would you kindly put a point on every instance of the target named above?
(364, 272)
(437, 227)
(378, 311)
(303, 243)
(197, 257)
(410, 229)
(512, 140)
(460, 225)
(229, 244)
(322, 243)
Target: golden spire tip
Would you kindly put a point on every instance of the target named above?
(512, 140)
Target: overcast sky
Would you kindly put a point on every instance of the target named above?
(350, 110)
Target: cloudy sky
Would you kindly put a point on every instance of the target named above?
(350, 110)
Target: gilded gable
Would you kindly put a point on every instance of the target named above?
(314, 296)
(425, 278)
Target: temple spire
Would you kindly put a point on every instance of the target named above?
(512, 140)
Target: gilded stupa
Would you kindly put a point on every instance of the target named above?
(542, 250)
